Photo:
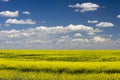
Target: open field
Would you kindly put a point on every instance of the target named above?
(59, 64)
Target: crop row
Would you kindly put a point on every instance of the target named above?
(60, 67)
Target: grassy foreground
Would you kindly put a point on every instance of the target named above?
(59, 64)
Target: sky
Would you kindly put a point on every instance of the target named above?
(59, 24)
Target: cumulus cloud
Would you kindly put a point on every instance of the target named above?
(69, 28)
(77, 35)
(92, 21)
(15, 21)
(105, 24)
(26, 12)
(79, 40)
(9, 14)
(65, 37)
(44, 30)
(100, 39)
(56, 37)
(84, 7)
(37, 41)
(118, 16)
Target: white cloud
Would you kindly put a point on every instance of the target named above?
(118, 16)
(56, 37)
(77, 35)
(69, 28)
(84, 7)
(15, 21)
(65, 37)
(37, 41)
(105, 24)
(91, 33)
(79, 40)
(43, 31)
(100, 39)
(26, 12)
(92, 21)
(9, 14)
(5, 0)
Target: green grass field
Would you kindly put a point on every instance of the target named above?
(59, 64)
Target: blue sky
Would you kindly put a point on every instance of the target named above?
(59, 24)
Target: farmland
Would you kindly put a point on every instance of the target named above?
(59, 64)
